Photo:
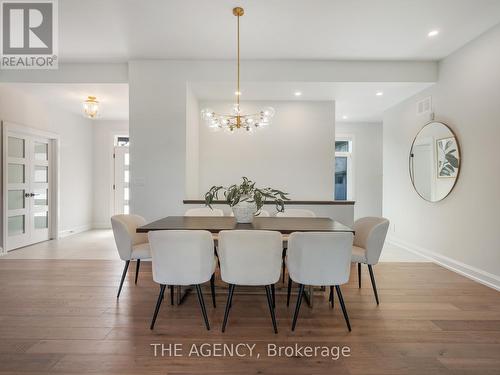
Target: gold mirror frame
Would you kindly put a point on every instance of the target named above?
(411, 155)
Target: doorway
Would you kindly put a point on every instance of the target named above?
(29, 185)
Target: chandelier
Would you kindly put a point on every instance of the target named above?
(237, 120)
(91, 107)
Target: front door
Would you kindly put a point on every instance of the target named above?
(28, 183)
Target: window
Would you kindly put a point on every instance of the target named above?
(343, 169)
(121, 185)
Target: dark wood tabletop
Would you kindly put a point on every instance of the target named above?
(215, 224)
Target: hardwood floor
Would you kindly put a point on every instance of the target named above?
(62, 317)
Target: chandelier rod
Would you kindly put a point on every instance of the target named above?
(238, 12)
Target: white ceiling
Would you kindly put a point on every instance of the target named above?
(119, 30)
(357, 101)
(113, 98)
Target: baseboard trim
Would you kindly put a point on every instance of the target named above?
(463, 269)
(70, 232)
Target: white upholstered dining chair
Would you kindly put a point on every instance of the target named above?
(317, 259)
(131, 245)
(252, 258)
(296, 212)
(204, 211)
(181, 258)
(292, 212)
(369, 238)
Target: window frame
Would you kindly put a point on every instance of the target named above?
(350, 163)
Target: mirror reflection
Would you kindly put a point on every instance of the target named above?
(434, 161)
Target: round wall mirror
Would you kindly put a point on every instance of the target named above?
(434, 161)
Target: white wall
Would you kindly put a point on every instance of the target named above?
(462, 231)
(192, 145)
(104, 132)
(158, 112)
(367, 165)
(294, 154)
(75, 133)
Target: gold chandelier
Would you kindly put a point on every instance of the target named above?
(91, 107)
(237, 120)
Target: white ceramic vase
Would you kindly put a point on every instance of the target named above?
(244, 212)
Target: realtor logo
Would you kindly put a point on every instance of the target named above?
(29, 34)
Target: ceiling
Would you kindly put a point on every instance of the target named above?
(355, 102)
(120, 30)
(113, 98)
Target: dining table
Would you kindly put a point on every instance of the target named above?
(215, 224)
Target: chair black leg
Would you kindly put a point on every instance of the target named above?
(297, 307)
(212, 288)
(202, 305)
(341, 300)
(283, 270)
(273, 293)
(359, 275)
(228, 305)
(171, 295)
(124, 273)
(137, 265)
(332, 297)
(373, 282)
(283, 266)
(158, 303)
(270, 302)
(217, 255)
(289, 291)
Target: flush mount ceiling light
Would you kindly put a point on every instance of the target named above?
(344, 117)
(297, 93)
(237, 120)
(379, 93)
(91, 107)
(433, 33)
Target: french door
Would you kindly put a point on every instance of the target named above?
(28, 189)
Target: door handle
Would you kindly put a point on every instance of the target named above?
(32, 194)
(26, 195)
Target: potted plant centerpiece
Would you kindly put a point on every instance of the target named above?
(246, 200)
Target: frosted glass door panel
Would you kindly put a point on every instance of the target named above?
(41, 174)
(16, 147)
(16, 174)
(16, 225)
(15, 199)
(41, 197)
(41, 220)
(41, 151)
